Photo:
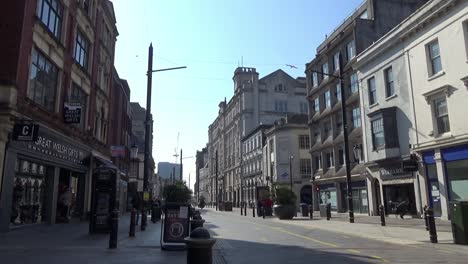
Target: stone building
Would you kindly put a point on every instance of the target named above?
(418, 72)
(336, 56)
(56, 74)
(255, 101)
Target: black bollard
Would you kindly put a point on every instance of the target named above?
(253, 211)
(153, 214)
(432, 227)
(328, 211)
(144, 218)
(425, 218)
(199, 246)
(263, 212)
(311, 212)
(114, 224)
(131, 233)
(382, 215)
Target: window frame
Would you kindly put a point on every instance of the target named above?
(354, 85)
(317, 105)
(58, 15)
(304, 142)
(357, 117)
(48, 84)
(371, 87)
(389, 82)
(437, 116)
(336, 61)
(314, 79)
(351, 50)
(431, 57)
(325, 71)
(82, 50)
(305, 168)
(374, 133)
(327, 99)
(338, 91)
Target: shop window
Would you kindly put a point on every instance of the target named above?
(458, 179)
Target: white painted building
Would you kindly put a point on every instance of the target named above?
(424, 113)
(286, 153)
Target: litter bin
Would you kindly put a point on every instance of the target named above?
(459, 215)
(304, 209)
(323, 210)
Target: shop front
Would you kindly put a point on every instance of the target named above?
(398, 189)
(359, 194)
(44, 181)
(328, 195)
(446, 172)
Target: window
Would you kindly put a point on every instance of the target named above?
(377, 133)
(304, 108)
(280, 88)
(281, 106)
(372, 91)
(356, 117)
(327, 100)
(330, 161)
(336, 61)
(50, 13)
(304, 142)
(338, 92)
(351, 50)
(389, 86)
(325, 70)
(314, 79)
(434, 57)
(305, 168)
(81, 50)
(317, 135)
(340, 156)
(79, 96)
(43, 81)
(354, 83)
(327, 129)
(441, 115)
(339, 122)
(318, 162)
(364, 15)
(317, 105)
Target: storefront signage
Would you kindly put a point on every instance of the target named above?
(393, 172)
(118, 151)
(72, 113)
(409, 165)
(25, 132)
(52, 145)
(175, 225)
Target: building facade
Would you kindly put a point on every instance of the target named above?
(252, 165)
(335, 59)
(287, 159)
(255, 101)
(427, 55)
(56, 73)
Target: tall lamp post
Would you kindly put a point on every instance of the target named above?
(345, 136)
(290, 172)
(148, 126)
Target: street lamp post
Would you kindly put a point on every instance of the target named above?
(148, 126)
(216, 180)
(290, 172)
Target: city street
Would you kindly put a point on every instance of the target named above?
(244, 239)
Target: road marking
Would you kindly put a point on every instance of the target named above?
(379, 258)
(308, 238)
(346, 237)
(353, 251)
(445, 251)
(264, 239)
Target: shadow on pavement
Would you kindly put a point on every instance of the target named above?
(236, 251)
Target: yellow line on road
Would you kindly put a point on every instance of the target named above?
(308, 238)
(380, 258)
(353, 251)
(264, 239)
(346, 237)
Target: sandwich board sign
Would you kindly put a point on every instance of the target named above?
(175, 226)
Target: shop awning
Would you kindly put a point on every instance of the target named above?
(105, 162)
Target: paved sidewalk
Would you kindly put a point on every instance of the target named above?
(406, 231)
(71, 243)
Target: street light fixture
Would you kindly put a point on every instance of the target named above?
(345, 136)
(148, 126)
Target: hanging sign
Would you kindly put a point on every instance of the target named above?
(72, 113)
(25, 132)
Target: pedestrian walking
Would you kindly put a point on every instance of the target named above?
(402, 208)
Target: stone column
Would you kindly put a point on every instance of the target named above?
(371, 196)
(442, 184)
